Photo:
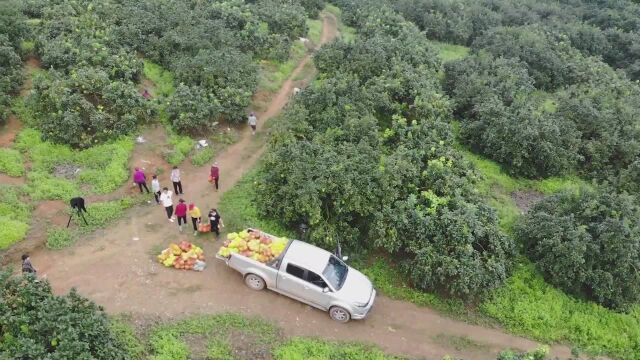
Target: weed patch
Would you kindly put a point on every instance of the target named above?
(60, 238)
(102, 214)
(181, 146)
(11, 162)
(162, 78)
(273, 74)
(11, 231)
(126, 336)
(449, 52)
(202, 156)
(315, 30)
(528, 306)
(304, 348)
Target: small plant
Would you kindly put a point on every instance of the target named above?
(60, 238)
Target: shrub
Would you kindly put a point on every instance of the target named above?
(193, 110)
(11, 162)
(59, 238)
(37, 324)
(588, 244)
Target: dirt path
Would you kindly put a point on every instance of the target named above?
(117, 269)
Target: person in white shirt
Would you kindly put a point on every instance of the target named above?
(167, 202)
(175, 178)
(253, 122)
(155, 187)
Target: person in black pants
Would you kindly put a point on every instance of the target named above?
(175, 179)
(216, 221)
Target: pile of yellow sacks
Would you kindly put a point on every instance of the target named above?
(255, 245)
(185, 256)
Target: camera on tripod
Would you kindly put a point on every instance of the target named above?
(77, 204)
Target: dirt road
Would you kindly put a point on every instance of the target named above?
(116, 268)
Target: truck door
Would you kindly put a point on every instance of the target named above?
(294, 281)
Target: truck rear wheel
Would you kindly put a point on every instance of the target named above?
(254, 282)
(339, 314)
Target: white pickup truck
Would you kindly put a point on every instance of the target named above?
(311, 275)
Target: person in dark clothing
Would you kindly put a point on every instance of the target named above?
(215, 174)
(27, 267)
(216, 221)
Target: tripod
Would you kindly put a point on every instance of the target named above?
(77, 204)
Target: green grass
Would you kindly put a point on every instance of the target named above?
(162, 78)
(11, 231)
(528, 306)
(15, 215)
(218, 331)
(497, 186)
(202, 156)
(315, 30)
(60, 238)
(316, 349)
(27, 47)
(273, 74)
(103, 168)
(239, 211)
(11, 162)
(23, 111)
(181, 147)
(101, 214)
(449, 52)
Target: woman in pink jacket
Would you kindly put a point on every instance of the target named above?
(140, 179)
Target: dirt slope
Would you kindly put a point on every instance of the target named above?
(116, 268)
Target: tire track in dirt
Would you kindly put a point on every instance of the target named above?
(116, 268)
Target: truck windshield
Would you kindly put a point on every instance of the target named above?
(335, 272)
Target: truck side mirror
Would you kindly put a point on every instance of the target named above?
(326, 290)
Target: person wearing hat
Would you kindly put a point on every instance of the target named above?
(196, 217)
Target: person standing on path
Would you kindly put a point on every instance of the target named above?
(216, 221)
(27, 267)
(175, 178)
(167, 202)
(215, 174)
(253, 122)
(181, 213)
(140, 179)
(155, 187)
(196, 217)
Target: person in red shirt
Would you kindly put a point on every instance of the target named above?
(215, 174)
(181, 213)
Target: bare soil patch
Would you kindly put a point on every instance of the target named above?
(526, 199)
(9, 131)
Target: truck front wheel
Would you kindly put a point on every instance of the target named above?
(254, 282)
(339, 314)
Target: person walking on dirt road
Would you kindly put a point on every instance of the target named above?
(27, 267)
(140, 179)
(216, 221)
(155, 187)
(167, 202)
(181, 213)
(196, 217)
(253, 122)
(175, 178)
(215, 174)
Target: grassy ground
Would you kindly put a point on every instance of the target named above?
(15, 215)
(273, 74)
(161, 78)
(230, 336)
(448, 52)
(11, 162)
